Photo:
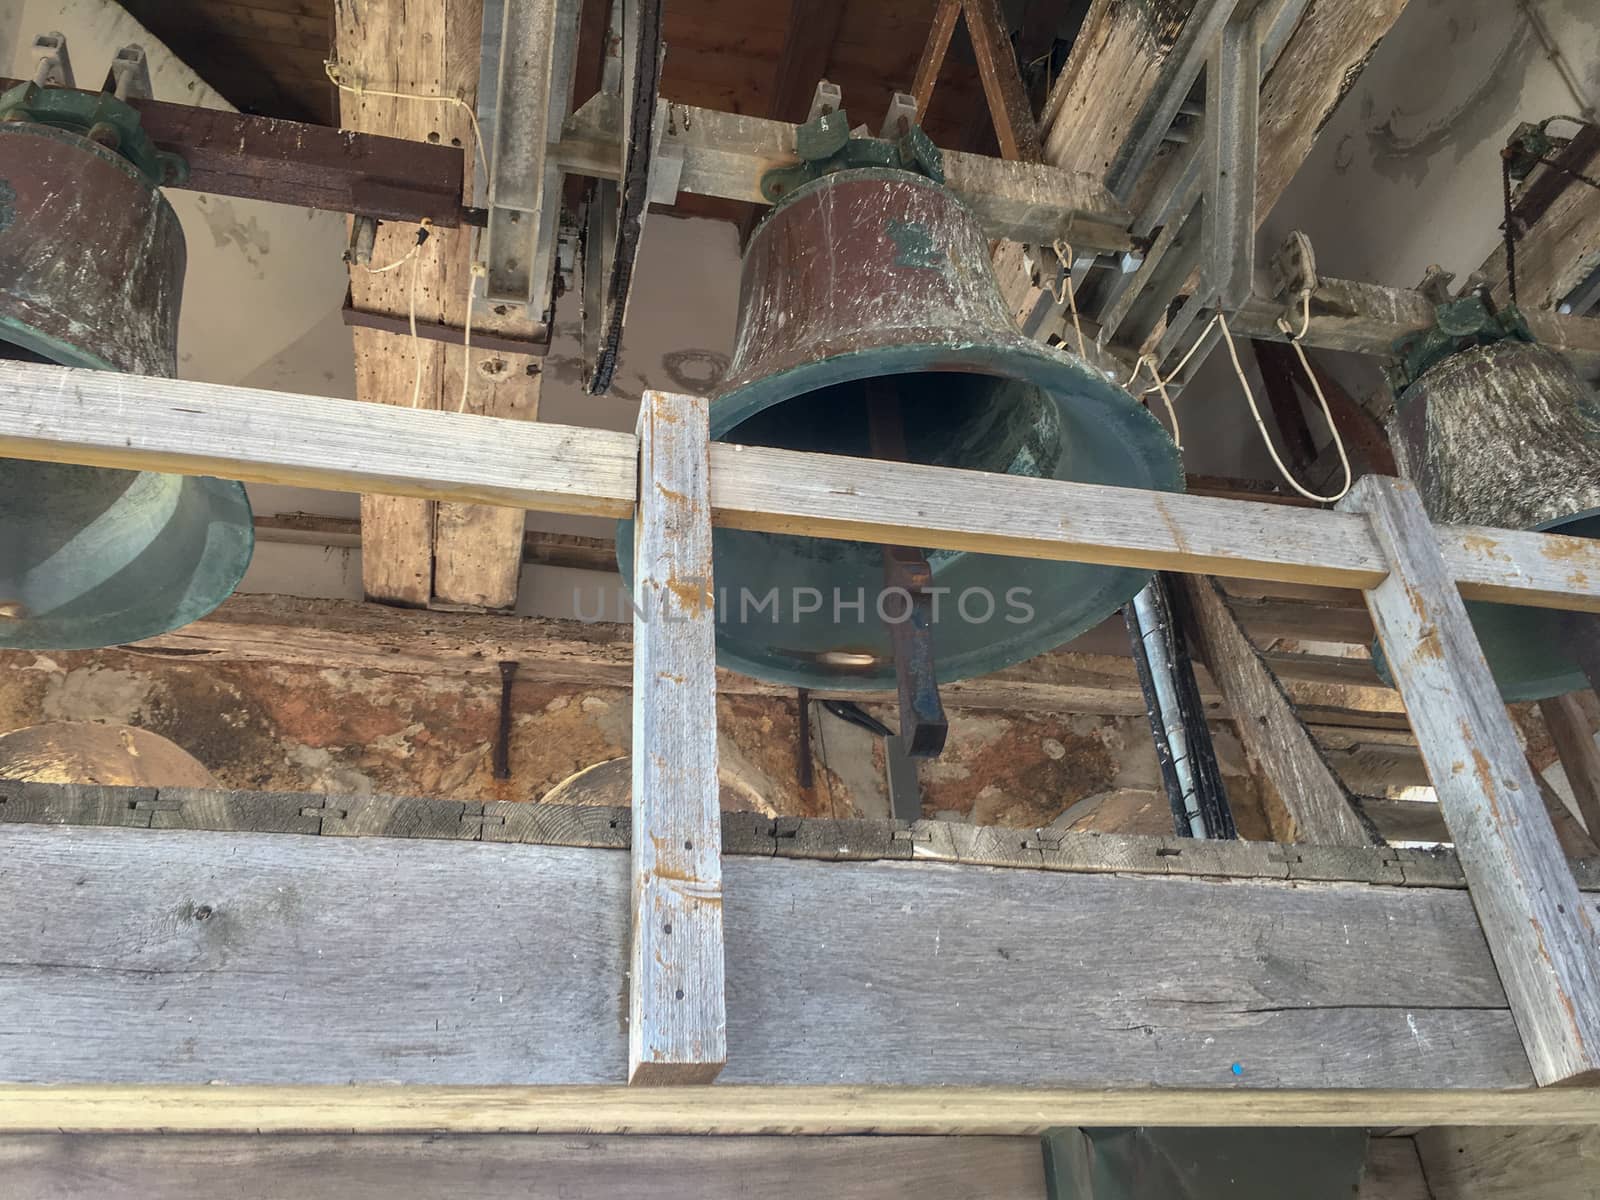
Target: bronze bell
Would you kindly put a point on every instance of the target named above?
(109, 755)
(1505, 434)
(872, 281)
(91, 265)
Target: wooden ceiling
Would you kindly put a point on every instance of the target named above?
(266, 57)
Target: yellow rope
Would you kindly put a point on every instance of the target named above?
(335, 73)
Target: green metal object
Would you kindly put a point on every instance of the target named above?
(91, 275)
(873, 283)
(100, 117)
(1499, 431)
(1458, 325)
(824, 146)
(1203, 1164)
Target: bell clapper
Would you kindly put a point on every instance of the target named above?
(923, 724)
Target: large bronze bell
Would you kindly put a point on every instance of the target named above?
(873, 281)
(1507, 435)
(91, 273)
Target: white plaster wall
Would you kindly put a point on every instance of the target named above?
(1407, 172)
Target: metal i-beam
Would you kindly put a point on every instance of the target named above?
(537, 47)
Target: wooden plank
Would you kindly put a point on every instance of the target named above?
(1113, 69)
(470, 963)
(59, 414)
(1009, 109)
(781, 491)
(1558, 249)
(1543, 937)
(945, 16)
(418, 550)
(677, 1016)
(808, 41)
(1559, 1163)
(63, 414)
(732, 1110)
(1319, 64)
(725, 154)
(606, 827)
(1368, 318)
(1573, 735)
(506, 1167)
(1394, 1171)
(1317, 802)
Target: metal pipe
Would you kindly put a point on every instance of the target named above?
(1171, 718)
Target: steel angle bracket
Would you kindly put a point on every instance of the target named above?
(533, 45)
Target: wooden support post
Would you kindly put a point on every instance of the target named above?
(1009, 109)
(1318, 804)
(944, 25)
(421, 550)
(677, 1023)
(1541, 935)
(1580, 757)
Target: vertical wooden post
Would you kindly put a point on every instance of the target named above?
(1536, 923)
(677, 1024)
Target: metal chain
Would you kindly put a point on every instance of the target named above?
(1509, 226)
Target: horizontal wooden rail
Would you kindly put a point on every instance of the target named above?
(66, 415)
(728, 1109)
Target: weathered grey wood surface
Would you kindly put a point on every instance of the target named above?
(677, 1022)
(176, 956)
(499, 1167)
(1543, 937)
(1317, 801)
(1551, 1163)
(1569, 728)
(743, 833)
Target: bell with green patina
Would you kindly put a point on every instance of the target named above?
(878, 279)
(91, 272)
(1502, 432)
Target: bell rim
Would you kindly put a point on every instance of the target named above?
(234, 563)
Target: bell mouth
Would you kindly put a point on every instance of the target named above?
(815, 613)
(1526, 647)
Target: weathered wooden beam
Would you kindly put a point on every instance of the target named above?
(929, 64)
(511, 1167)
(1573, 735)
(726, 154)
(1009, 109)
(1319, 64)
(732, 1109)
(609, 827)
(309, 166)
(421, 550)
(677, 1020)
(1541, 934)
(503, 966)
(62, 414)
(1317, 802)
(1368, 318)
(1557, 249)
(1554, 1163)
(346, 635)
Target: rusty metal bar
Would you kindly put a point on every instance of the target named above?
(312, 166)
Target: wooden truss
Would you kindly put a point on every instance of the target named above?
(830, 991)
